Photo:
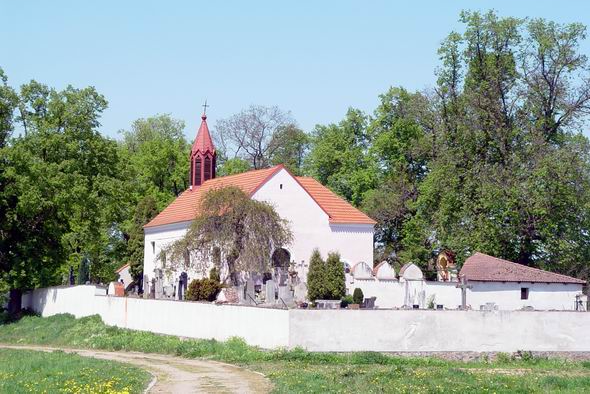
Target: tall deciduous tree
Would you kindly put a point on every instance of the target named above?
(511, 174)
(242, 230)
(157, 153)
(61, 190)
(262, 136)
(338, 157)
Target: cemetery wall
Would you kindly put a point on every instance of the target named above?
(264, 327)
(395, 294)
(327, 330)
(438, 331)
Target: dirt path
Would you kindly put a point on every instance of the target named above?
(179, 375)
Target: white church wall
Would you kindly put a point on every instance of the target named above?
(327, 330)
(310, 224)
(506, 295)
(158, 238)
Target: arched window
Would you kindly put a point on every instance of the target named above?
(191, 174)
(207, 168)
(198, 171)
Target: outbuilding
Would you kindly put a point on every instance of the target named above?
(505, 285)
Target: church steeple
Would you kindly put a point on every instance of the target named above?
(202, 157)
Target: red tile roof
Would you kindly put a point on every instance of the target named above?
(339, 210)
(185, 207)
(485, 268)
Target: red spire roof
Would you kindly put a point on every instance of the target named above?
(203, 141)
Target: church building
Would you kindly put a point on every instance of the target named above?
(318, 218)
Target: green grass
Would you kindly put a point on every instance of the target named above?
(301, 371)
(25, 371)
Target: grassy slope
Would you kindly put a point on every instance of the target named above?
(301, 371)
(24, 371)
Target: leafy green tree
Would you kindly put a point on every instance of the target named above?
(316, 277)
(292, 145)
(145, 211)
(157, 153)
(62, 193)
(338, 157)
(234, 226)
(509, 175)
(233, 166)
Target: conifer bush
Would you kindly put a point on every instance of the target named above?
(315, 277)
(358, 296)
(205, 289)
(335, 286)
(325, 280)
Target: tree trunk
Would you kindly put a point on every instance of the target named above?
(15, 302)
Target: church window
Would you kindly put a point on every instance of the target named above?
(207, 174)
(153, 247)
(524, 293)
(191, 175)
(198, 171)
(281, 186)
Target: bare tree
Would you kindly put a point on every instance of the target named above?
(252, 134)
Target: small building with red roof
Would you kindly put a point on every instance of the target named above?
(509, 286)
(318, 217)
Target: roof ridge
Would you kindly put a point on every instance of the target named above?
(212, 180)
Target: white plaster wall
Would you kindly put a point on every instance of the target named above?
(506, 295)
(395, 294)
(327, 330)
(311, 227)
(389, 293)
(545, 296)
(264, 327)
(431, 330)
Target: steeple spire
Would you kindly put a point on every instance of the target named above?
(203, 156)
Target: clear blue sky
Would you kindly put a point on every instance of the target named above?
(314, 58)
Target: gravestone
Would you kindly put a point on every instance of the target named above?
(270, 291)
(286, 295)
(182, 285)
(250, 293)
(241, 296)
(146, 286)
(153, 289)
(168, 292)
(159, 284)
(300, 292)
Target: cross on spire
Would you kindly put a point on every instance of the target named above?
(205, 107)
